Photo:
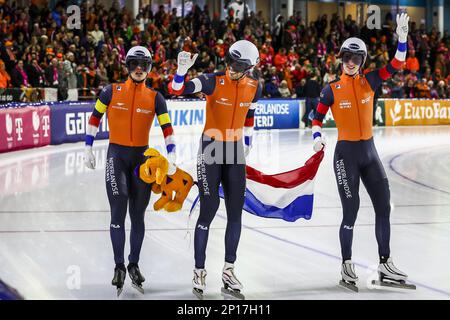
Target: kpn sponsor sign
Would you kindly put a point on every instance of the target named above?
(417, 112)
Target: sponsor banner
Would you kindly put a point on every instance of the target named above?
(25, 127)
(70, 120)
(417, 112)
(277, 114)
(190, 116)
(187, 116)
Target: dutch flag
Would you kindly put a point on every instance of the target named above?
(288, 195)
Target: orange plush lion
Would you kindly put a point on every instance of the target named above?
(174, 188)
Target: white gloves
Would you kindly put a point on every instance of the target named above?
(172, 159)
(185, 62)
(402, 27)
(89, 158)
(319, 144)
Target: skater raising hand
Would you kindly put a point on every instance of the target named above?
(351, 99)
(226, 140)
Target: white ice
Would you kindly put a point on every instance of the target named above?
(54, 225)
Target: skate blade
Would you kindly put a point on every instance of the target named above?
(198, 293)
(138, 287)
(349, 286)
(119, 292)
(394, 285)
(232, 294)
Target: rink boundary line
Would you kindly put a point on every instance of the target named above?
(151, 211)
(391, 166)
(223, 228)
(323, 253)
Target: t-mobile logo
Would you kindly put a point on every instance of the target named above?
(46, 125)
(19, 128)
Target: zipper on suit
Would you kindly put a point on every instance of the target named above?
(132, 113)
(235, 104)
(357, 108)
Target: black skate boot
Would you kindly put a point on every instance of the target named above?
(136, 277)
(119, 278)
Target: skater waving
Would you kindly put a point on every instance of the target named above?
(350, 99)
(226, 140)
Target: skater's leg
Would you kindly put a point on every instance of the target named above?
(233, 183)
(117, 184)
(375, 180)
(347, 177)
(209, 176)
(380, 196)
(139, 199)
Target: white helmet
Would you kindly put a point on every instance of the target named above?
(242, 56)
(138, 55)
(356, 46)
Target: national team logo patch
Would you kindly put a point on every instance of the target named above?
(222, 82)
(119, 88)
(338, 86)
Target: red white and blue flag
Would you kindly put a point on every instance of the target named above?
(288, 195)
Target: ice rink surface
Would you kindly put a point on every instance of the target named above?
(54, 225)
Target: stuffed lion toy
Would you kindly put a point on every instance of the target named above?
(174, 188)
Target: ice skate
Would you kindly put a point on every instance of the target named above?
(349, 277)
(231, 285)
(119, 279)
(136, 277)
(390, 276)
(199, 283)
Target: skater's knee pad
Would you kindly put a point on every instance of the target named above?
(174, 190)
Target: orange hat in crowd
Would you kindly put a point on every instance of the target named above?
(8, 43)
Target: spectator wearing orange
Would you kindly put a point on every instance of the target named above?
(268, 45)
(412, 63)
(292, 55)
(423, 90)
(155, 78)
(220, 49)
(438, 75)
(5, 79)
(280, 59)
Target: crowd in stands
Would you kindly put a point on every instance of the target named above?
(37, 49)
